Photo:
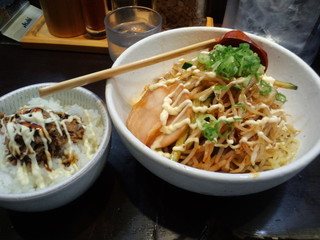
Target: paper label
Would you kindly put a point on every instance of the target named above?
(21, 23)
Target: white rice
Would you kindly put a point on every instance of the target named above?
(15, 179)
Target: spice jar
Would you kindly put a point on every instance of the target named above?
(181, 13)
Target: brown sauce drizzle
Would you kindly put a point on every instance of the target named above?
(44, 147)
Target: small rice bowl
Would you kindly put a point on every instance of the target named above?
(19, 179)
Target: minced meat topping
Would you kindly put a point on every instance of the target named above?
(35, 134)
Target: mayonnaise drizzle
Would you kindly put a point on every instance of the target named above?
(264, 120)
(26, 125)
(172, 108)
(252, 121)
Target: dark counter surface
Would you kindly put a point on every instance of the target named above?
(129, 202)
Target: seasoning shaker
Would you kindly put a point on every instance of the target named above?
(181, 13)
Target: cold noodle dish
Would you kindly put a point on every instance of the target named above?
(217, 112)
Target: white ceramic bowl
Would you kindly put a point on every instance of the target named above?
(283, 65)
(72, 187)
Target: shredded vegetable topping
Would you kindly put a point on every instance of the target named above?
(230, 62)
(218, 112)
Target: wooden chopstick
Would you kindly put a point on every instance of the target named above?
(107, 73)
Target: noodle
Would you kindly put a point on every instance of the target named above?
(234, 125)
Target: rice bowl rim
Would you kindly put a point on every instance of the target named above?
(101, 107)
(295, 166)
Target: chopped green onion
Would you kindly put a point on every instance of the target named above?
(186, 65)
(240, 105)
(211, 131)
(265, 88)
(202, 120)
(237, 87)
(228, 61)
(229, 128)
(285, 85)
(220, 88)
(247, 81)
(280, 97)
(204, 58)
(237, 119)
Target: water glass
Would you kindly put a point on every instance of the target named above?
(127, 25)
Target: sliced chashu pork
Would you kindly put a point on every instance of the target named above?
(144, 120)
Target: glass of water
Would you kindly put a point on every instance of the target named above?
(127, 25)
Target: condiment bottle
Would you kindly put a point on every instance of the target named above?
(181, 13)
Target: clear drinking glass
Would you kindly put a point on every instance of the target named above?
(127, 25)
